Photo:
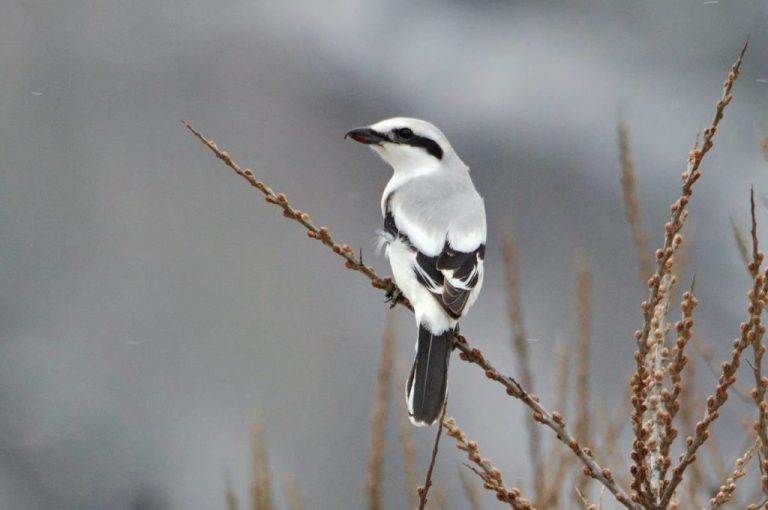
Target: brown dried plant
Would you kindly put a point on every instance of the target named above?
(632, 204)
(423, 490)
(471, 491)
(376, 444)
(520, 346)
(406, 443)
(483, 468)
(292, 493)
(229, 494)
(658, 386)
(261, 493)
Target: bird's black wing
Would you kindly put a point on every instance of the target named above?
(451, 276)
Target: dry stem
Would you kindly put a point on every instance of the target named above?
(520, 345)
(758, 349)
(751, 331)
(229, 493)
(490, 475)
(632, 204)
(550, 496)
(406, 443)
(726, 490)
(379, 416)
(322, 234)
(708, 355)
(470, 490)
(293, 497)
(642, 379)
(584, 312)
(553, 420)
(261, 497)
(423, 490)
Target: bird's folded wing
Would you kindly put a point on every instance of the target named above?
(451, 276)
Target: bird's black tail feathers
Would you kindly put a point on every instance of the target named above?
(428, 382)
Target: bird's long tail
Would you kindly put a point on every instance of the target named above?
(428, 382)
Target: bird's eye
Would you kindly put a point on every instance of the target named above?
(404, 133)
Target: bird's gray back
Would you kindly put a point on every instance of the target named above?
(440, 206)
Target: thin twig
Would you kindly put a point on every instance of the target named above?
(423, 490)
(671, 399)
(758, 349)
(741, 242)
(584, 500)
(688, 400)
(379, 416)
(553, 420)
(707, 354)
(726, 490)
(490, 474)
(322, 234)
(471, 491)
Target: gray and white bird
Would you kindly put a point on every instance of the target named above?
(434, 237)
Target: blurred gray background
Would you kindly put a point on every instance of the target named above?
(153, 308)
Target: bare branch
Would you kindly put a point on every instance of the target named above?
(554, 421)
(322, 234)
(423, 490)
(726, 490)
(706, 353)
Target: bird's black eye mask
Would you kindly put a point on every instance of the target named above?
(406, 136)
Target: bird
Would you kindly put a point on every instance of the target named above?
(434, 237)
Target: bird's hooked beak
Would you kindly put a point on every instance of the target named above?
(366, 135)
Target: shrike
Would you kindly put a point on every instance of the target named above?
(434, 237)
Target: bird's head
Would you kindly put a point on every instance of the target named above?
(407, 144)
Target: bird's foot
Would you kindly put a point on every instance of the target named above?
(457, 338)
(394, 296)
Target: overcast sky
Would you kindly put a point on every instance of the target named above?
(153, 308)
